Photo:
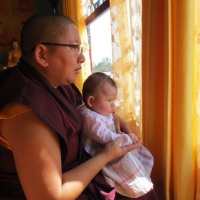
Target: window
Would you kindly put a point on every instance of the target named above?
(99, 37)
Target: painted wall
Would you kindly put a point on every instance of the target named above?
(13, 13)
(12, 16)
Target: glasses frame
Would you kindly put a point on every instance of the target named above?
(74, 46)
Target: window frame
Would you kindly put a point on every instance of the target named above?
(98, 12)
(94, 16)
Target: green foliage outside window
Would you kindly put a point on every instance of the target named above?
(104, 65)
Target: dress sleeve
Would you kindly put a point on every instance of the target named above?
(97, 131)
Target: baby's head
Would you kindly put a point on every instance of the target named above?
(99, 93)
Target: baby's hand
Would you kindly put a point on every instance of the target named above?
(133, 137)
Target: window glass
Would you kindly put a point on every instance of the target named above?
(99, 37)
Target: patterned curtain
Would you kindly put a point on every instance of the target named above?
(156, 64)
(126, 27)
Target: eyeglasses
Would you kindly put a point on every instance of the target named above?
(78, 47)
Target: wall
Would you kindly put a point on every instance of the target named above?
(13, 13)
(43, 6)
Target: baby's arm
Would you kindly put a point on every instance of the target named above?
(121, 125)
(97, 130)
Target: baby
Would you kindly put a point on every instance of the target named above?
(130, 175)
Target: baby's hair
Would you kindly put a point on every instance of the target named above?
(93, 82)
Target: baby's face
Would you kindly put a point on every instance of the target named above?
(104, 99)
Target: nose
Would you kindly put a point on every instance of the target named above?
(81, 58)
(113, 104)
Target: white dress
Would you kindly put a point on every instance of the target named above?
(130, 175)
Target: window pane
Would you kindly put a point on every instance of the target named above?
(99, 33)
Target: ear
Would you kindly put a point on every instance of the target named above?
(40, 55)
(90, 101)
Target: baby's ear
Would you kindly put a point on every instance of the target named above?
(90, 101)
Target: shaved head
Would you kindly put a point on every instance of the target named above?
(43, 28)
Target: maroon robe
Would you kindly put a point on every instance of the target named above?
(57, 108)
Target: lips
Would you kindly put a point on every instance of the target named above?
(77, 70)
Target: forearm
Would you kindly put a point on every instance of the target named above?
(98, 131)
(75, 181)
(108, 136)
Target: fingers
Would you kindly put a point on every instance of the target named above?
(126, 149)
(133, 137)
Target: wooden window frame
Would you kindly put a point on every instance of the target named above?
(98, 12)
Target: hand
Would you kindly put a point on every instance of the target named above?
(113, 150)
(120, 125)
(133, 137)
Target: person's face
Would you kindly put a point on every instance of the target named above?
(64, 63)
(104, 100)
(15, 45)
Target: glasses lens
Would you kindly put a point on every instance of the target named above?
(80, 50)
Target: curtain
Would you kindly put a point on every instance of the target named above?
(156, 64)
(126, 31)
(73, 9)
(159, 89)
(197, 93)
